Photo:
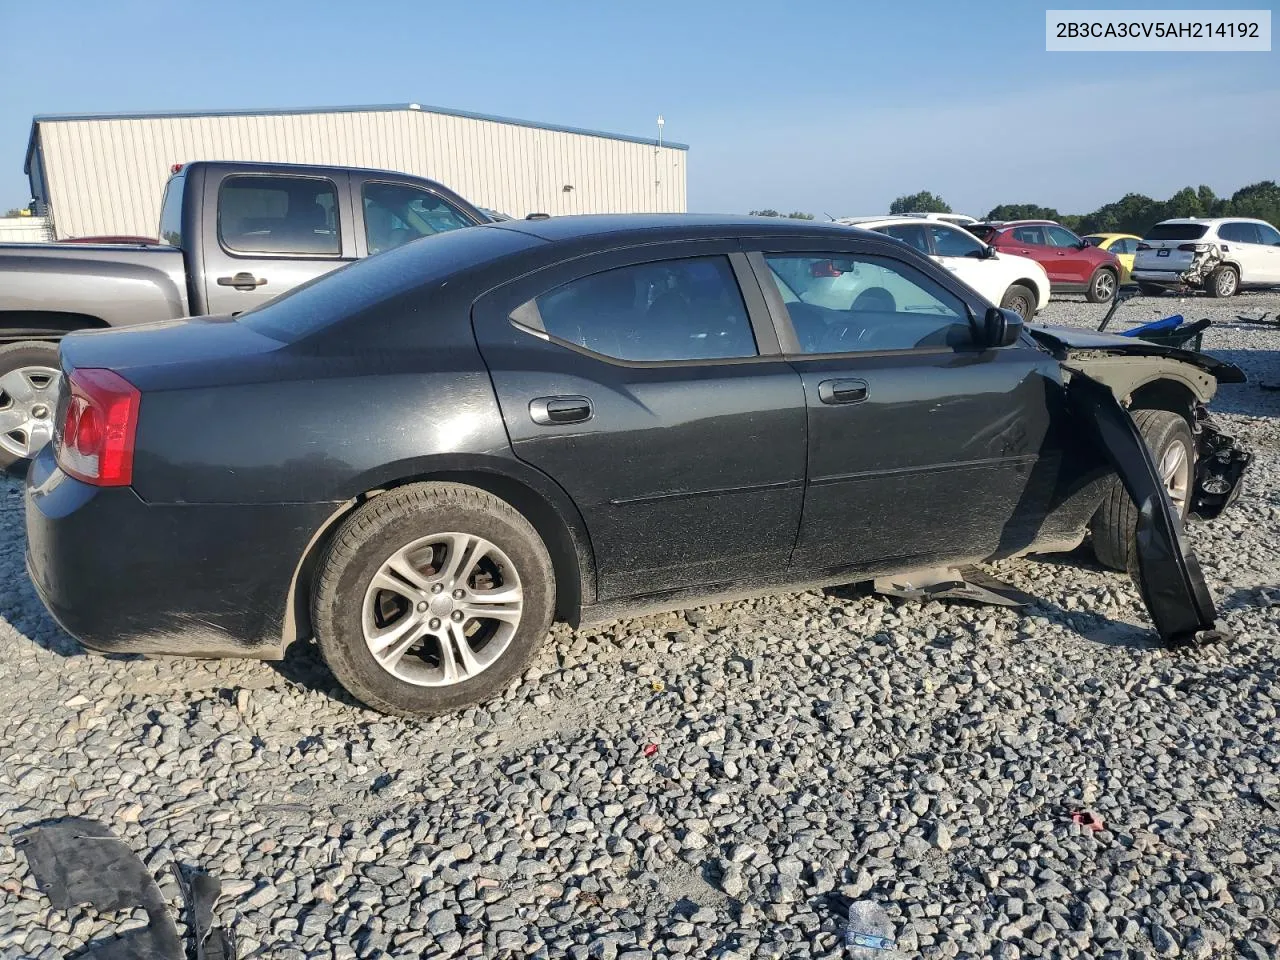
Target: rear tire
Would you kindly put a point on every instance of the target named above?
(1223, 282)
(29, 374)
(413, 531)
(1020, 300)
(1114, 526)
(1102, 286)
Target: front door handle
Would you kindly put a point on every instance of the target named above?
(842, 391)
(242, 281)
(553, 410)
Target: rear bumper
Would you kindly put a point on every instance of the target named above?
(1171, 277)
(125, 576)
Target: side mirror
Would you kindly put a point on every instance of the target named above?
(1083, 244)
(1000, 328)
(989, 253)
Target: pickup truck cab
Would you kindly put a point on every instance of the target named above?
(232, 236)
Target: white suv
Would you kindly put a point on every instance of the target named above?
(1015, 283)
(1220, 255)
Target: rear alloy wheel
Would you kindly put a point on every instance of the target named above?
(1020, 300)
(1115, 525)
(1102, 287)
(1223, 282)
(29, 378)
(432, 597)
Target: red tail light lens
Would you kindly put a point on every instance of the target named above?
(1194, 247)
(95, 443)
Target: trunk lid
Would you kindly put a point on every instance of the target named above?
(1170, 246)
(1069, 343)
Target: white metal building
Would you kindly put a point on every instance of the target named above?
(98, 175)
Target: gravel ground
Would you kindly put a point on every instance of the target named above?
(716, 784)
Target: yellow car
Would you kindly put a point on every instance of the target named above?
(1123, 245)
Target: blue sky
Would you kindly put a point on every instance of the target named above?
(821, 107)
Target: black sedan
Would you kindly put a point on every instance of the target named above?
(424, 458)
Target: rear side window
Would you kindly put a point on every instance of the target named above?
(279, 215)
(911, 234)
(395, 213)
(1176, 231)
(1268, 234)
(1239, 232)
(863, 304)
(171, 211)
(1032, 235)
(670, 310)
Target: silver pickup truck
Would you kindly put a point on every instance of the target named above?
(231, 235)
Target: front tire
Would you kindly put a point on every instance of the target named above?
(1114, 526)
(1223, 282)
(432, 597)
(1102, 287)
(1020, 300)
(29, 375)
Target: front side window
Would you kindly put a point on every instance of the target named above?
(395, 213)
(279, 215)
(865, 304)
(1268, 234)
(1238, 232)
(669, 310)
(950, 242)
(1061, 237)
(911, 234)
(1032, 235)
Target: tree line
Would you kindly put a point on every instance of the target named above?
(1132, 213)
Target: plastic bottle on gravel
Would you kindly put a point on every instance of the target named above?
(869, 935)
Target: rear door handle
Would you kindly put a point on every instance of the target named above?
(553, 410)
(242, 281)
(842, 391)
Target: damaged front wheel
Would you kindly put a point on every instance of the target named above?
(1114, 527)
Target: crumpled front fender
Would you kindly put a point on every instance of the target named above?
(1168, 574)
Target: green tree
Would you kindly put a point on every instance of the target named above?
(1260, 200)
(1022, 211)
(765, 213)
(797, 215)
(922, 202)
(1209, 203)
(15, 212)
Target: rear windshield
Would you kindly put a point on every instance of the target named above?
(1176, 231)
(360, 285)
(981, 231)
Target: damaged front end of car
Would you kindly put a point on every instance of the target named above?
(1104, 377)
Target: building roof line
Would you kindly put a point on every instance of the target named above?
(363, 108)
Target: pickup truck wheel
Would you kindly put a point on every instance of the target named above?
(28, 394)
(1115, 525)
(432, 597)
(1020, 300)
(1102, 287)
(1223, 282)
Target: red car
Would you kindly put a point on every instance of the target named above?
(1073, 265)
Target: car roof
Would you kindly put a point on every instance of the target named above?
(657, 226)
(870, 223)
(1001, 224)
(1212, 221)
(1115, 236)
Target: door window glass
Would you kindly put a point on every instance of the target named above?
(950, 242)
(911, 234)
(1031, 235)
(852, 304)
(688, 309)
(291, 215)
(1061, 237)
(1268, 234)
(1238, 232)
(395, 213)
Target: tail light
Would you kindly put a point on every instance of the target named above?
(1145, 246)
(95, 443)
(1194, 247)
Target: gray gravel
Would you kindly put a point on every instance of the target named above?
(719, 784)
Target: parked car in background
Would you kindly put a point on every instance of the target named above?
(960, 219)
(1122, 245)
(1073, 265)
(1015, 283)
(424, 459)
(1221, 255)
(234, 236)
